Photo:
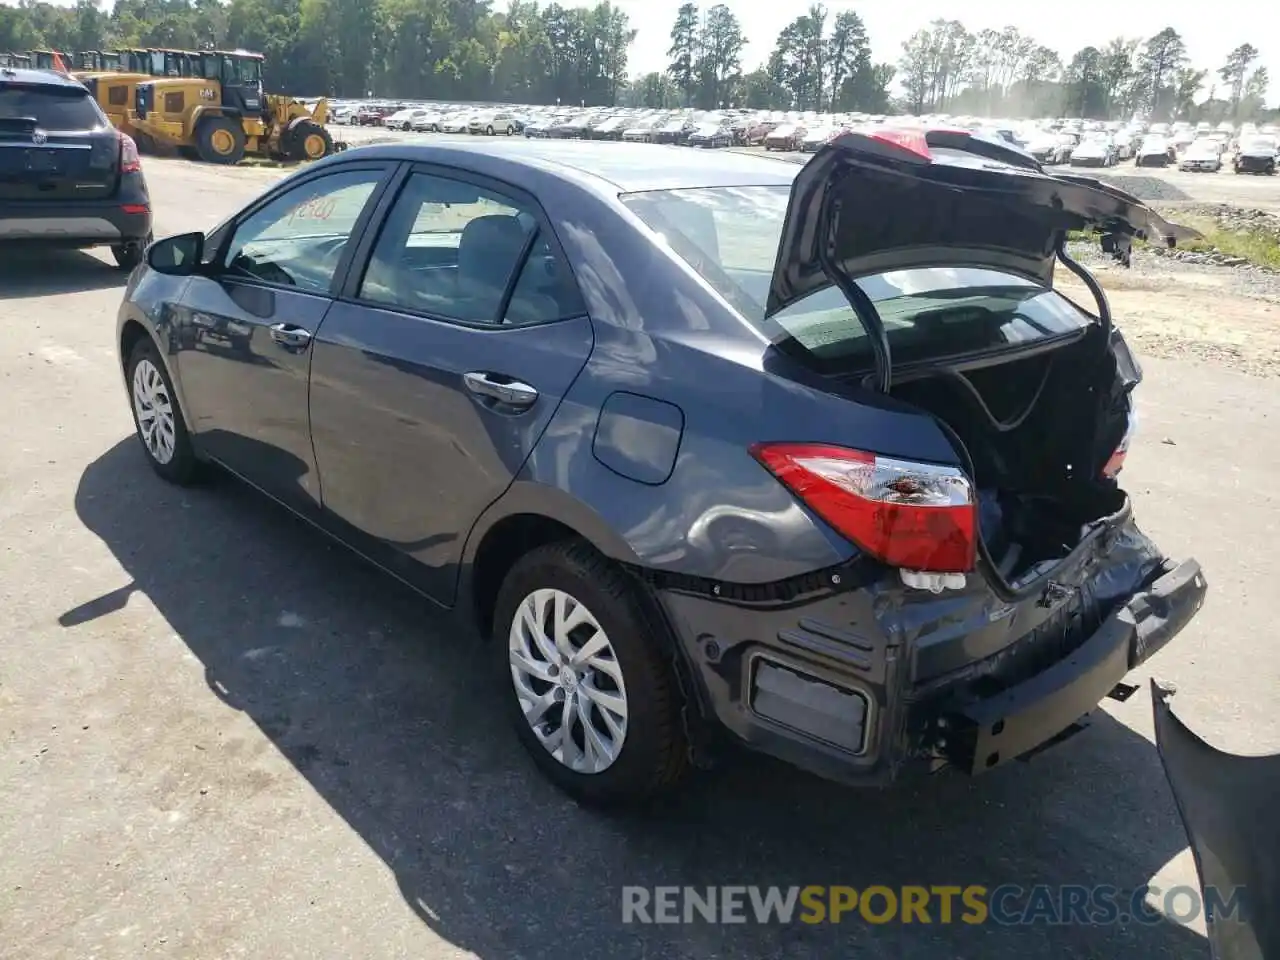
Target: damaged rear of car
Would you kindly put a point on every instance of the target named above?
(999, 587)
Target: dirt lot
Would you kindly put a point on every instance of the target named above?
(223, 737)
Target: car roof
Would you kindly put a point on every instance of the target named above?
(628, 168)
(31, 77)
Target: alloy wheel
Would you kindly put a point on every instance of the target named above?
(154, 410)
(568, 681)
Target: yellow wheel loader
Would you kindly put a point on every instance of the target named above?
(220, 114)
(112, 77)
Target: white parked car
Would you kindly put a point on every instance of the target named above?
(1202, 154)
(641, 132)
(1154, 151)
(403, 119)
(455, 123)
(427, 122)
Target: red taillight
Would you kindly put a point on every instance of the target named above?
(1111, 469)
(917, 516)
(913, 141)
(133, 208)
(130, 162)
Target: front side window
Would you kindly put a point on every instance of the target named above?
(730, 236)
(297, 239)
(455, 251)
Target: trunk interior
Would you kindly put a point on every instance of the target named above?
(1039, 432)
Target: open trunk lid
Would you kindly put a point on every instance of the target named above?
(895, 200)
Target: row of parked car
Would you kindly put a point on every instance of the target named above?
(1075, 142)
(1252, 150)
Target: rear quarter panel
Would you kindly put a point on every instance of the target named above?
(661, 333)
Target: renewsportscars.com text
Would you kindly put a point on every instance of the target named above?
(1007, 905)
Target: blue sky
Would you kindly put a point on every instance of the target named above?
(1209, 29)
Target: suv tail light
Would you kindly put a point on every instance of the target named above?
(130, 162)
(917, 516)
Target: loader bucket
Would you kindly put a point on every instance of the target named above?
(1230, 807)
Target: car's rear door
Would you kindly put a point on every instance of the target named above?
(438, 369)
(244, 329)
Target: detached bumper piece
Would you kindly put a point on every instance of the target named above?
(1044, 709)
(1228, 806)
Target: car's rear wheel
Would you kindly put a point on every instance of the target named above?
(590, 691)
(157, 417)
(129, 255)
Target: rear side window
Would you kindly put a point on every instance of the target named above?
(455, 251)
(52, 108)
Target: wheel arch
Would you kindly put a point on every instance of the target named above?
(527, 516)
(132, 331)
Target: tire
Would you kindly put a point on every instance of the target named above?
(510, 130)
(488, 131)
(406, 128)
(129, 255)
(308, 141)
(651, 750)
(220, 140)
(176, 463)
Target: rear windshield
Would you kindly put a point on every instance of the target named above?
(730, 236)
(52, 108)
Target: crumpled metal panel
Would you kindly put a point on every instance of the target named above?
(1229, 806)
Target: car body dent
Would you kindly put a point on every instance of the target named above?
(145, 302)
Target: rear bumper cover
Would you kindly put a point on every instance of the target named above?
(844, 636)
(1019, 720)
(74, 222)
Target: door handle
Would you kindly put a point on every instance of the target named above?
(288, 335)
(494, 386)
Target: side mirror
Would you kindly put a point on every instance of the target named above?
(177, 256)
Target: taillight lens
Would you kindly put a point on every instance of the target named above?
(1115, 463)
(130, 162)
(913, 141)
(918, 516)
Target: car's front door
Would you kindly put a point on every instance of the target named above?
(245, 326)
(437, 371)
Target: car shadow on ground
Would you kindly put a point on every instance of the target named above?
(36, 272)
(393, 717)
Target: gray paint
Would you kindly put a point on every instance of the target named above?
(638, 437)
(414, 474)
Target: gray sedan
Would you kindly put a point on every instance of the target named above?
(712, 449)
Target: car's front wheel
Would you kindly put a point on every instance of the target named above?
(591, 692)
(157, 418)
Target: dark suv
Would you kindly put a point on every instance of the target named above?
(67, 177)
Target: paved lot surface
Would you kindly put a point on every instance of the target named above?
(223, 737)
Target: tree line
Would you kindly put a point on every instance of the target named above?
(946, 67)
(533, 53)
(410, 49)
